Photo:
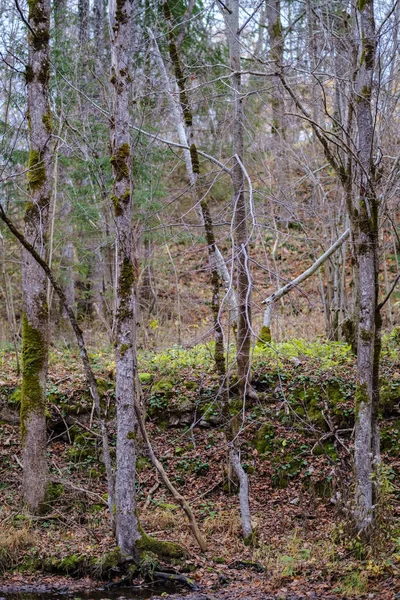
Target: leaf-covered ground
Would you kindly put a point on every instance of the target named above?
(296, 447)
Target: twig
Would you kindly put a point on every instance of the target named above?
(153, 489)
(24, 19)
(382, 304)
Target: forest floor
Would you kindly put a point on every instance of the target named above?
(296, 447)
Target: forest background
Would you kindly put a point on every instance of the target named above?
(177, 167)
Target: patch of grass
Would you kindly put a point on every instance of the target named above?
(12, 542)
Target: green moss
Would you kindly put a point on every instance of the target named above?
(264, 337)
(264, 441)
(277, 29)
(131, 435)
(326, 448)
(124, 348)
(121, 16)
(169, 550)
(34, 356)
(46, 120)
(195, 159)
(54, 491)
(126, 279)
(145, 378)
(250, 540)
(361, 396)
(361, 4)
(167, 11)
(163, 385)
(36, 171)
(366, 336)
(368, 54)
(120, 162)
(36, 12)
(118, 210)
(142, 463)
(29, 74)
(366, 92)
(118, 202)
(40, 39)
(72, 564)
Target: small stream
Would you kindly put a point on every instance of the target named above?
(130, 593)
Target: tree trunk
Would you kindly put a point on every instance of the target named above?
(241, 239)
(184, 122)
(241, 259)
(83, 17)
(365, 225)
(127, 530)
(276, 43)
(35, 310)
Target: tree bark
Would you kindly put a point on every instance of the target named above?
(35, 326)
(240, 241)
(365, 224)
(127, 530)
(276, 42)
(184, 121)
(240, 254)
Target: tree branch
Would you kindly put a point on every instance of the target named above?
(306, 274)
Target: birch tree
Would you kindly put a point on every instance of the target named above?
(35, 330)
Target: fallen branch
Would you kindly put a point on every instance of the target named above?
(270, 301)
(167, 482)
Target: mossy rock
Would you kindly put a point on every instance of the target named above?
(74, 564)
(288, 466)
(162, 386)
(264, 441)
(211, 415)
(107, 562)
(306, 403)
(79, 454)
(326, 448)
(390, 437)
(320, 488)
(389, 398)
(54, 491)
(166, 550)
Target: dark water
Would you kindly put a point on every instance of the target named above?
(130, 593)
